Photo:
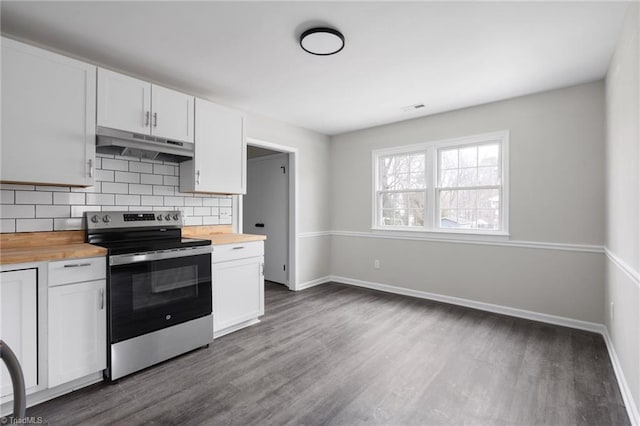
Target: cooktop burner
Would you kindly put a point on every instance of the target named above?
(138, 232)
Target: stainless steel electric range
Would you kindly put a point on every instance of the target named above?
(158, 288)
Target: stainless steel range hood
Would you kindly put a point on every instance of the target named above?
(118, 142)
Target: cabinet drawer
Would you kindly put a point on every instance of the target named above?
(77, 270)
(227, 252)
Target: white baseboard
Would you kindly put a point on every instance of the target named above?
(499, 309)
(627, 396)
(312, 283)
(236, 327)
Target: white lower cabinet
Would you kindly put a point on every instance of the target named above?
(19, 325)
(76, 319)
(238, 286)
(77, 324)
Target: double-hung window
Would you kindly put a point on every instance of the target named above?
(455, 186)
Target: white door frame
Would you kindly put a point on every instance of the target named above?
(292, 281)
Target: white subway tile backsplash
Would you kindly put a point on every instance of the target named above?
(113, 164)
(151, 179)
(192, 221)
(161, 169)
(100, 199)
(211, 220)
(226, 220)
(152, 200)
(69, 198)
(105, 175)
(136, 166)
(52, 211)
(127, 177)
(202, 211)
(68, 224)
(12, 211)
(7, 225)
(34, 197)
(172, 180)
(196, 201)
(78, 211)
(173, 201)
(163, 190)
(127, 200)
(140, 189)
(7, 196)
(122, 184)
(115, 188)
(213, 202)
(34, 225)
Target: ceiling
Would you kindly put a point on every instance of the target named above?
(246, 54)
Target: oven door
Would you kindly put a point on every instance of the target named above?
(149, 292)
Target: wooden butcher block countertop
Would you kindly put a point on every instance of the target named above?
(28, 247)
(219, 234)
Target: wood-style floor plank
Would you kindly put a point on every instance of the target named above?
(340, 355)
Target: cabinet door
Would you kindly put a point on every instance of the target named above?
(48, 117)
(77, 331)
(124, 102)
(238, 292)
(172, 114)
(220, 150)
(18, 324)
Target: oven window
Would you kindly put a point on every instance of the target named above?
(161, 286)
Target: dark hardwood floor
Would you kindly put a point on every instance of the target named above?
(340, 355)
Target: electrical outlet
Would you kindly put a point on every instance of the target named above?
(376, 264)
(611, 311)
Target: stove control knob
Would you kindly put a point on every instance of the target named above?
(159, 217)
(106, 219)
(176, 216)
(95, 218)
(168, 217)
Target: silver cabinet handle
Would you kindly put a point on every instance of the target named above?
(155, 119)
(90, 167)
(262, 268)
(198, 177)
(101, 298)
(76, 265)
(238, 248)
(146, 118)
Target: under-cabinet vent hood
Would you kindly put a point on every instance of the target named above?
(118, 142)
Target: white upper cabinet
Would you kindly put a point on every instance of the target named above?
(172, 114)
(219, 164)
(48, 117)
(126, 103)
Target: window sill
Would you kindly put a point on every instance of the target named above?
(455, 235)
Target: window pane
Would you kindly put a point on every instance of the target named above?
(488, 155)
(404, 171)
(449, 178)
(403, 208)
(488, 175)
(448, 200)
(468, 177)
(469, 156)
(470, 209)
(449, 159)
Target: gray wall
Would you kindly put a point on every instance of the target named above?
(623, 201)
(557, 196)
(313, 261)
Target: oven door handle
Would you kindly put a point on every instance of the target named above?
(126, 259)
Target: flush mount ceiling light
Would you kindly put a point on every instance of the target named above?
(322, 41)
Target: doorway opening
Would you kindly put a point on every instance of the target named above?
(268, 207)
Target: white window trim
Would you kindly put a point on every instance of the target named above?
(430, 230)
